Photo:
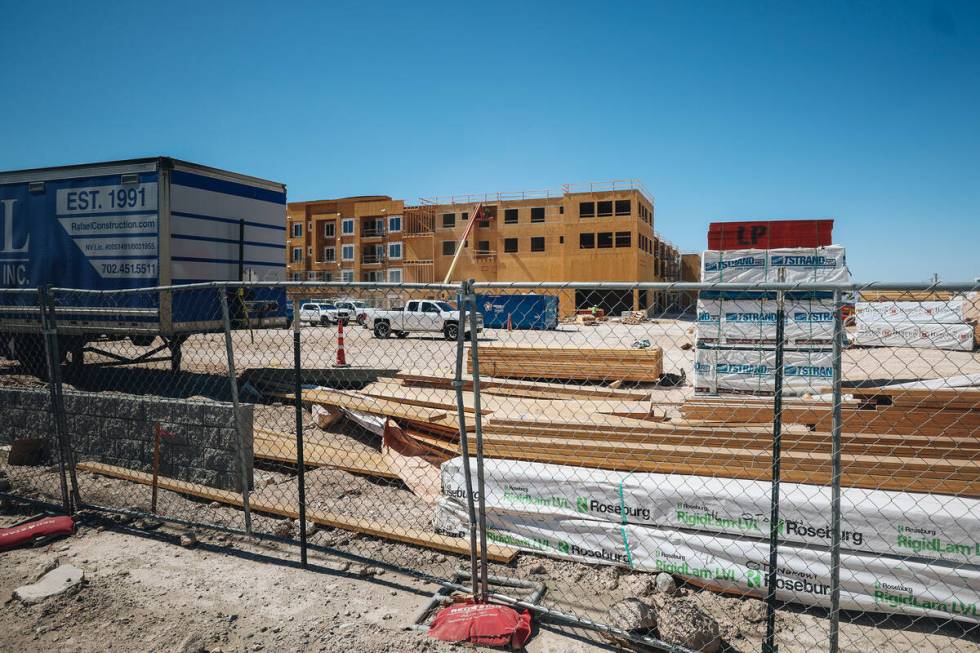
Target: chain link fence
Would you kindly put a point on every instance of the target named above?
(686, 466)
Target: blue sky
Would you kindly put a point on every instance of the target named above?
(867, 112)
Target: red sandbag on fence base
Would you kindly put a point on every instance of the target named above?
(40, 530)
(485, 624)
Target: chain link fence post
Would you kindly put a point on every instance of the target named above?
(464, 441)
(480, 485)
(768, 644)
(49, 330)
(233, 388)
(835, 479)
(300, 461)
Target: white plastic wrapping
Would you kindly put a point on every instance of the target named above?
(958, 337)
(872, 521)
(745, 321)
(814, 264)
(722, 563)
(753, 370)
(953, 311)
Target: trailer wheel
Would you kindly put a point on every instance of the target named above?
(401, 334)
(451, 331)
(77, 361)
(382, 330)
(176, 356)
(29, 350)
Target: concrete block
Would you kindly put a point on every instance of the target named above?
(80, 404)
(159, 411)
(17, 417)
(11, 397)
(180, 455)
(215, 414)
(188, 412)
(220, 460)
(121, 407)
(132, 450)
(178, 433)
(203, 476)
(130, 407)
(115, 429)
(83, 425)
(36, 399)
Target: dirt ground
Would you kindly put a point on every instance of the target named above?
(146, 593)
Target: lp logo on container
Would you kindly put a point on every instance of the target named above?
(13, 259)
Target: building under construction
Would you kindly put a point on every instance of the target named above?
(589, 232)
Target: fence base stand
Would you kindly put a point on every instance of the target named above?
(441, 595)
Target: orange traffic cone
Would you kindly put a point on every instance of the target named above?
(341, 353)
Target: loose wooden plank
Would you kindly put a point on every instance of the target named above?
(281, 447)
(495, 552)
(517, 387)
(431, 418)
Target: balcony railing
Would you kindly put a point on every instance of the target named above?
(372, 259)
(372, 232)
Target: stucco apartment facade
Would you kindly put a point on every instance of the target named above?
(591, 232)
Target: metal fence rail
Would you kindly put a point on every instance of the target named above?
(761, 466)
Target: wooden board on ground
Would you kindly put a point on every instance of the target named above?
(517, 387)
(281, 447)
(495, 552)
(440, 419)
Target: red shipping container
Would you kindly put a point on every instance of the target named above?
(770, 234)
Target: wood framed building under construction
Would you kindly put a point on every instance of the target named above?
(588, 232)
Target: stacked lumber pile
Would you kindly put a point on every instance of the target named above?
(869, 461)
(635, 365)
(926, 439)
(716, 438)
(952, 413)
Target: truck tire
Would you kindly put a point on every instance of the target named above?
(29, 351)
(142, 341)
(401, 334)
(362, 319)
(382, 330)
(451, 331)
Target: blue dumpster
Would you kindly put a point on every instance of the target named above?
(524, 311)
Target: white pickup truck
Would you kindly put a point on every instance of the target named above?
(420, 316)
(322, 313)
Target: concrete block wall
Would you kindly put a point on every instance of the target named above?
(118, 430)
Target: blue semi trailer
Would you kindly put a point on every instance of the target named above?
(140, 223)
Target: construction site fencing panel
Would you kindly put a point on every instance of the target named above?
(788, 465)
(684, 436)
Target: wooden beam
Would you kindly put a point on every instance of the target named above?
(281, 447)
(495, 552)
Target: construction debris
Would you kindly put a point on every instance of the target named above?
(57, 581)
